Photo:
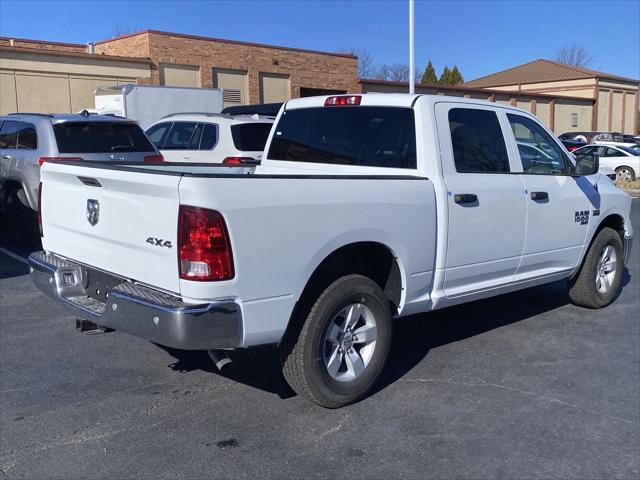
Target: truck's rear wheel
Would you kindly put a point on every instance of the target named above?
(336, 355)
(598, 281)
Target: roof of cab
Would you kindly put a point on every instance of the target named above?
(388, 100)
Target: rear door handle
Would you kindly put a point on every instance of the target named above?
(539, 196)
(6, 157)
(465, 198)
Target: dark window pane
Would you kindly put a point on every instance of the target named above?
(363, 136)
(158, 133)
(251, 137)
(180, 136)
(100, 137)
(478, 144)
(9, 135)
(209, 136)
(194, 144)
(27, 137)
(539, 153)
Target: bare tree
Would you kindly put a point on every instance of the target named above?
(399, 72)
(121, 30)
(574, 54)
(366, 66)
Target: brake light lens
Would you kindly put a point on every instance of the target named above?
(203, 245)
(40, 209)
(238, 160)
(342, 100)
(154, 159)
(41, 160)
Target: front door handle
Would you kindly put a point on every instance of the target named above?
(539, 196)
(6, 157)
(465, 198)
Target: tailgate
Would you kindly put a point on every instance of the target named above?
(137, 215)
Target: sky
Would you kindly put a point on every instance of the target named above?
(480, 37)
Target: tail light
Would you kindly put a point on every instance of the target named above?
(342, 100)
(41, 160)
(204, 249)
(572, 148)
(40, 209)
(240, 161)
(154, 159)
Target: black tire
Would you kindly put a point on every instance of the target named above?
(582, 288)
(302, 352)
(22, 221)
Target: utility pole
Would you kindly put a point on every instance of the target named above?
(412, 66)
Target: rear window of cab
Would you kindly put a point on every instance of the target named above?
(349, 135)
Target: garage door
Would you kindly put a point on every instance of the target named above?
(233, 84)
(179, 75)
(274, 87)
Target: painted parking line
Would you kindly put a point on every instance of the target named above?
(9, 253)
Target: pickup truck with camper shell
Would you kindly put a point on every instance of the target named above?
(365, 208)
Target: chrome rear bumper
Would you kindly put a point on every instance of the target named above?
(139, 310)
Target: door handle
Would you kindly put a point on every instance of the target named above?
(539, 196)
(6, 157)
(465, 198)
(186, 157)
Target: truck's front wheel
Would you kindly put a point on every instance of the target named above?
(336, 355)
(598, 281)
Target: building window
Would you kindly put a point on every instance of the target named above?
(574, 119)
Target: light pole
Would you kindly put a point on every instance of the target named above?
(412, 67)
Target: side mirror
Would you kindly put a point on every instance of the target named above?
(586, 165)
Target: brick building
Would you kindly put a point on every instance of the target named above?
(247, 72)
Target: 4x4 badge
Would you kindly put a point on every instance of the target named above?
(93, 212)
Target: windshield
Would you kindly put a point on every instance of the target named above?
(363, 136)
(100, 137)
(250, 137)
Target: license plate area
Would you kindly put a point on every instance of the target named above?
(98, 284)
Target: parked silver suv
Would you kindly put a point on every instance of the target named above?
(29, 139)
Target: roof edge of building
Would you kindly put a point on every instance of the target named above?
(44, 42)
(224, 40)
(61, 53)
(462, 88)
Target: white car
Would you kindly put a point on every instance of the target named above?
(365, 208)
(624, 160)
(211, 138)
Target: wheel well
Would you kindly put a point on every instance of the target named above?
(371, 259)
(612, 221)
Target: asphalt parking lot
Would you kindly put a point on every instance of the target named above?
(522, 385)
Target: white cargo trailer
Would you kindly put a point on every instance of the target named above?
(148, 103)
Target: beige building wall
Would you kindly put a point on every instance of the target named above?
(47, 82)
(616, 112)
(566, 110)
(630, 112)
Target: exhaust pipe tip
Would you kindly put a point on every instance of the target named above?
(220, 358)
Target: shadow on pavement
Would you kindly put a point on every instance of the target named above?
(414, 336)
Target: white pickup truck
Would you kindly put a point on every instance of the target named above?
(365, 208)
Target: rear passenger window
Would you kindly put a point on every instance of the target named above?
(27, 138)
(209, 136)
(9, 135)
(478, 143)
(180, 136)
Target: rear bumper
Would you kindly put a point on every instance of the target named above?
(139, 310)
